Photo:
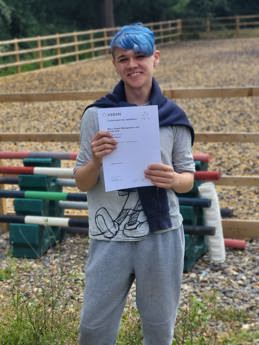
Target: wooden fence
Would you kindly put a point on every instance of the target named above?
(23, 54)
(234, 25)
(44, 51)
(237, 228)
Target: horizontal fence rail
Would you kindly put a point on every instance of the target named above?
(44, 51)
(228, 137)
(235, 24)
(226, 92)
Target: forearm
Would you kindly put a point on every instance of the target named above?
(164, 176)
(87, 175)
(182, 182)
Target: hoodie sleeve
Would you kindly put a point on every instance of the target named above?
(182, 157)
(88, 128)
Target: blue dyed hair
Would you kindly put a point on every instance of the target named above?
(134, 37)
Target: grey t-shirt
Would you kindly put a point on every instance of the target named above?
(118, 215)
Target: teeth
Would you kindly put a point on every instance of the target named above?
(134, 74)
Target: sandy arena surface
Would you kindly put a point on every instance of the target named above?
(215, 63)
(208, 63)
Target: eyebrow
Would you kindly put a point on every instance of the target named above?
(126, 56)
(121, 56)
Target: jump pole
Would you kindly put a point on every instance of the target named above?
(43, 154)
(235, 244)
(68, 172)
(64, 182)
(58, 172)
(73, 205)
(46, 221)
(43, 195)
(80, 223)
(199, 156)
(4, 193)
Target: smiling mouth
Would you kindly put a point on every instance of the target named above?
(134, 74)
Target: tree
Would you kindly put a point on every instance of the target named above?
(5, 19)
(107, 13)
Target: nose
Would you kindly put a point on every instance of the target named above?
(132, 62)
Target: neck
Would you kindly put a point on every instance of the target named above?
(137, 96)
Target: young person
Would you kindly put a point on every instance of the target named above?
(135, 234)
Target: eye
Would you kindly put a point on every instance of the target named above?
(122, 59)
(140, 56)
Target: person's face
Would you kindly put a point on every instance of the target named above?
(135, 69)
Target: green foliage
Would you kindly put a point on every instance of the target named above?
(198, 317)
(44, 314)
(40, 313)
(5, 274)
(130, 331)
(179, 7)
(5, 19)
(41, 321)
(33, 17)
(5, 12)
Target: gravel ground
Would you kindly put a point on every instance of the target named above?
(216, 63)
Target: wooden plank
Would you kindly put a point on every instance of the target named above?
(72, 137)
(240, 228)
(40, 137)
(51, 96)
(75, 95)
(228, 137)
(252, 181)
(213, 92)
(45, 48)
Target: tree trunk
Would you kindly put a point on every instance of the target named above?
(107, 13)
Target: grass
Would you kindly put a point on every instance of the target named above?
(42, 312)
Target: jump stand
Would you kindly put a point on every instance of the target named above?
(195, 244)
(33, 240)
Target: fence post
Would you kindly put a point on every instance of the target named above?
(58, 49)
(40, 51)
(17, 55)
(106, 43)
(179, 26)
(92, 44)
(161, 29)
(168, 33)
(76, 46)
(237, 26)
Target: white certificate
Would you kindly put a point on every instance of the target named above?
(136, 130)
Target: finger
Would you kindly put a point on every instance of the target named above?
(161, 179)
(165, 173)
(101, 134)
(103, 149)
(160, 167)
(103, 142)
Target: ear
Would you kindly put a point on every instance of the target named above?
(156, 57)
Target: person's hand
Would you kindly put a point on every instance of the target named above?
(161, 175)
(102, 144)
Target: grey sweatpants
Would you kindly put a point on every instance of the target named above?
(156, 263)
